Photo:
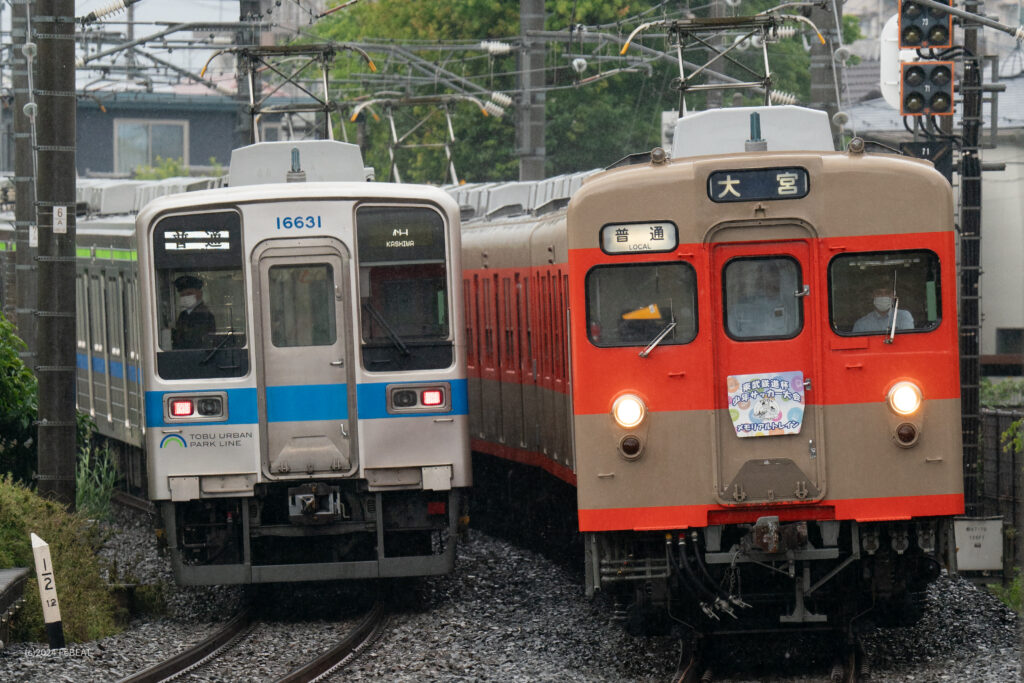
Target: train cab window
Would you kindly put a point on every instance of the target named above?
(760, 301)
(200, 296)
(869, 290)
(403, 288)
(631, 304)
(302, 305)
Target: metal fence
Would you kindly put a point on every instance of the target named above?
(995, 486)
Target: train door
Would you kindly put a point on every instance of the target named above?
(769, 445)
(511, 375)
(306, 386)
(528, 363)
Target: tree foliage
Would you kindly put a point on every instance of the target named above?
(18, 407)
(593, 118)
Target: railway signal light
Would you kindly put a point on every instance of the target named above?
(922, 26)
(926, 88)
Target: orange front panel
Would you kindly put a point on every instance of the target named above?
(853, 369)
(687, 516)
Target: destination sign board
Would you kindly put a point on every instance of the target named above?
(639, 238)
(748, 185)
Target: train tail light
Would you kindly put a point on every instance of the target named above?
(629, 411)
(905, 398)
(432, 397)
(181, 407)
(437, 507)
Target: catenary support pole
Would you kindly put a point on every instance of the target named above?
(24, 187)
(53, 27)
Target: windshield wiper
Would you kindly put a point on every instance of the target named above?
(392, 335)
(218, 347)
(895, 315)
(657, 340)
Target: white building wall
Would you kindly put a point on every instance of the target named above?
(1002, 244)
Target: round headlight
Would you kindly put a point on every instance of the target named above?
(905, 398)
(629, 411)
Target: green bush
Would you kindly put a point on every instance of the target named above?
(18, 396)
(87, 609)
(1013, 594)
(95, 478)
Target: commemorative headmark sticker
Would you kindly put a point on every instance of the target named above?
(766, 404)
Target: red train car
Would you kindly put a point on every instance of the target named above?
(745, 362)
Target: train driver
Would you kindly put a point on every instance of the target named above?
(879, 319)
(195, 322)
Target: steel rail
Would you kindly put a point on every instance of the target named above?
(181, 662)
(362, 636)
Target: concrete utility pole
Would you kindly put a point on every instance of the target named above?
(54, 28)
(824, 87)
(530, 112)
(24, 211)
(248, 16)
(970, 170)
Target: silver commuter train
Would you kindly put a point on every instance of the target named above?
(290, 357)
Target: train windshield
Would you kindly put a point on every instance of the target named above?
(760, 298)
(870, 291)
(631, 304)
(200, 296)
(403, 290)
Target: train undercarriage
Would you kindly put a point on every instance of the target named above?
(312, 532)
(768, 575)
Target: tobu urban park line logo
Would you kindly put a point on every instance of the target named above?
(766, 404)
(173, 440)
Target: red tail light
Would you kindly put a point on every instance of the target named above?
(181, 408)
(433, 397)
(436, 508)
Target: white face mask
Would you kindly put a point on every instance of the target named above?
(883, 303)
(187, 301)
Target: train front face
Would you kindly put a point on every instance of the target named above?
(765, 386)
(305, 382)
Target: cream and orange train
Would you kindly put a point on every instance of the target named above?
(744, 359)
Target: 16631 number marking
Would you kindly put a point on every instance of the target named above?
(298, 222)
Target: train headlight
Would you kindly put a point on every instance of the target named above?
(905, 398)
(629, 411)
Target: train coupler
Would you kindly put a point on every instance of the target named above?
(315, 504)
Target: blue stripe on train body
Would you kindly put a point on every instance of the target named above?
(300, 403)
(99, 366)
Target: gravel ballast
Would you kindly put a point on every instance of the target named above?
(505, 614)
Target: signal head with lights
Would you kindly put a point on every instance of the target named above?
(922, 27)
(926, 88)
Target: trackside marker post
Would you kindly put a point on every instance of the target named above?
(48, 592)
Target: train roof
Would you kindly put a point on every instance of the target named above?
(297, 160)
(726, 131)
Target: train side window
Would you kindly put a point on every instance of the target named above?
(95, 313)
(867, 290)
(302, 305)
(403, 288)
(630, 304)
(759, 298)
(200, 296)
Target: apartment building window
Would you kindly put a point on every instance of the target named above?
(138, 142)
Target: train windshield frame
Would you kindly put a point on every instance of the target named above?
(404, 292)
(759, 298)
(200, 289)
(630, 304)
(911, 280)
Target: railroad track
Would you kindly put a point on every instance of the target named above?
(850, 667)
(194, 656)
(217, 644)
(134, 502)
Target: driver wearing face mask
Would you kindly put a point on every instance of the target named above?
(195, 321)
(880, 317)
